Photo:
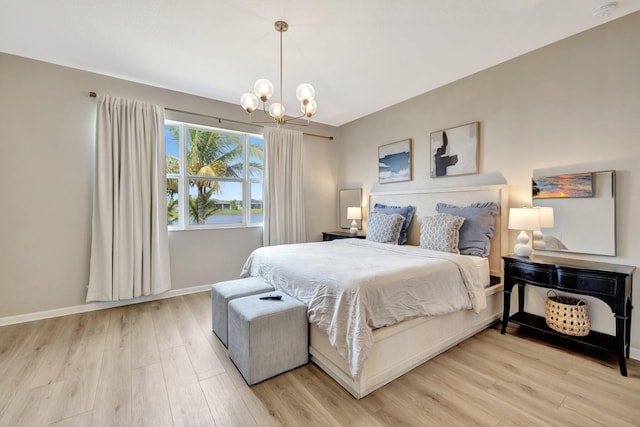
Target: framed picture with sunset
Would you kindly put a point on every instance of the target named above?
(562, 186)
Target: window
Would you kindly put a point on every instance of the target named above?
(214, 176)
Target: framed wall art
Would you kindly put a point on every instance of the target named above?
(561, 186)
(454, 151)
(394, 162)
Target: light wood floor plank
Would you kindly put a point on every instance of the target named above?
(97, 324)
(222, 354)
(226, 404)
(47, 367)
(200, 307)
(113, 405)
(598, 414)
(472, 385)
(257, 408)
(82, 420)
(119, 329)
(150, 400)
(298, 405)
(333, 397)
(143, 338)
(203, 358)
(167, 333)
(158, 363)
(32, 406)
(456, 394)
(404, 406)
(187, 400)
(80, 378)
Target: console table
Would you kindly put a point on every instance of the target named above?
(611, 283)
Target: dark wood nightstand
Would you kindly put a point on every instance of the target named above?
(610, 283)
(333, 235)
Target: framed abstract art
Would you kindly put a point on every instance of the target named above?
(454, 151)
(394, 162)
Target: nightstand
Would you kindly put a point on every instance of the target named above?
(333, 235)
(610, 283)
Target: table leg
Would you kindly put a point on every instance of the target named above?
(628, 331)
(506, 307)
(520, 298)
(621, 338)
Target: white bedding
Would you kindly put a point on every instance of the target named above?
(352, 286)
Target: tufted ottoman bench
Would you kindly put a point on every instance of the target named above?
(223, 292)
(267, 337)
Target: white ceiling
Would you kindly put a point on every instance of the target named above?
(361, 55)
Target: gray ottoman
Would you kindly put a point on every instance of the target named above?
(223, 292)
(267, 337)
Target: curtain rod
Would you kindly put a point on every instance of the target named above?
(220, 119)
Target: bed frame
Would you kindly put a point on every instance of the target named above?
(399, 348)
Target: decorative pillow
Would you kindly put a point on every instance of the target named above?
(407, 213)
(384, 228)
(478, 227)
(440, 232)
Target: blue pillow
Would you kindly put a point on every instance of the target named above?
(406, 212)
(477, 230)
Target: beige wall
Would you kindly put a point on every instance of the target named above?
(47, 123)
(573, 103)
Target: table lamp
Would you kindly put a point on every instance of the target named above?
(546, 221)
(354, 213)
(523, 219)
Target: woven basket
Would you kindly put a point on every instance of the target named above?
(567, 315)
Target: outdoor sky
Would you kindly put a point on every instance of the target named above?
(230, 191)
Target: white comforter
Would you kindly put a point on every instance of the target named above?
(353, 286)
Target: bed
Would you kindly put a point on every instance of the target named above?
(363, 342)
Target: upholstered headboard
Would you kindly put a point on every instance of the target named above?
(425, 202)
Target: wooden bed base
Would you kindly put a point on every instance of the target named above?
(399, 348)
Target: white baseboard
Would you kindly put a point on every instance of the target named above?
(93, 306)
(634, 353)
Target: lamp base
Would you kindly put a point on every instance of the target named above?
(354, 227)
(538, 240)
(522, 248)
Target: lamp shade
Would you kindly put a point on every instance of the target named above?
(524, 219)
(354, 212)
(546, 216)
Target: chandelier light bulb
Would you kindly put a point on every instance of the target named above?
(249, 102)
(305, 92)
(263, 89)
(309, 109)
(276, 110)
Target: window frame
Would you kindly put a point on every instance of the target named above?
(183, 178)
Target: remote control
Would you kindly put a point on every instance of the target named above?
(272, 297)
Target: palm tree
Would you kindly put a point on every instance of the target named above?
(201, 208)
(212, 154)
(173, 166)
(172, 211)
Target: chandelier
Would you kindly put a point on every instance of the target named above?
(263, 90)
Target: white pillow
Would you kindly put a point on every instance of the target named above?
(383, 228)
(441, 233)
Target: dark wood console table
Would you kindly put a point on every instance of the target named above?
(611, 283)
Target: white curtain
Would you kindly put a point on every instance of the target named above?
(284, 189)
(129, 246)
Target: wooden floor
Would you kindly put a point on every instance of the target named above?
(158, 364)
